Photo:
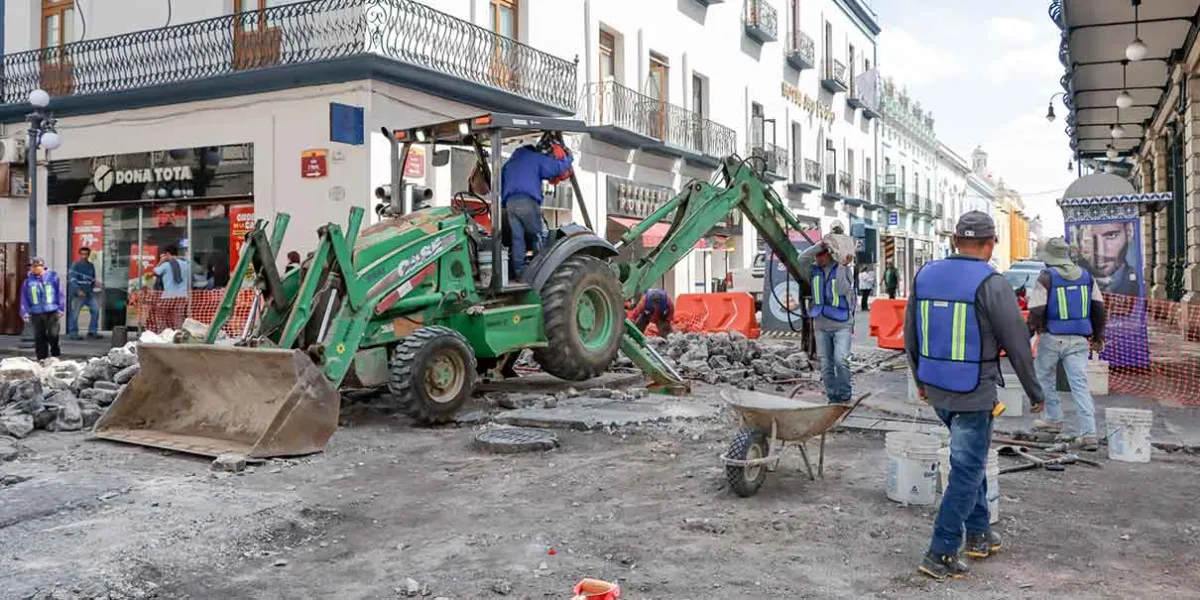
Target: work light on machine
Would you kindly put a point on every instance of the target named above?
(464, 128)
(420, 135)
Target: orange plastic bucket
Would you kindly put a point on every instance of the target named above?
(594, 589)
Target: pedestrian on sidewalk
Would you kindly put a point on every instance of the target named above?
(827, 266)
(866, 285)
(42, 307)
(960, 315)
(81, 291)
(1066, 307)
(891, 280)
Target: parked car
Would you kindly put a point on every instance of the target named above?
(1023, 274)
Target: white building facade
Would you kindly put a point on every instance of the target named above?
(951, 195)
(218, 112)
(180, 127)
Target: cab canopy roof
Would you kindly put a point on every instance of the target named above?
(511, 127)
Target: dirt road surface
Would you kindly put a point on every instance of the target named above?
(388, 502)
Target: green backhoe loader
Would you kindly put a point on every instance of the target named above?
(421, 302)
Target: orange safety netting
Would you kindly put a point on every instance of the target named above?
(1153, 348)
(150, 311)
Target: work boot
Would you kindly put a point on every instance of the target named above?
(942, 566)
(982, 544)
(1089, 443)
(1048, 426)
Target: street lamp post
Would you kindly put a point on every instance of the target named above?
(1050, 106)
(41, 134)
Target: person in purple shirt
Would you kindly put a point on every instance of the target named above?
(42, 306)
(521, 197)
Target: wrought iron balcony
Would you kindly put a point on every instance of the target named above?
(801, 52)
(845, 184)
(939, 210)
(806, 175)
(834, 77)
(402, 32)
(926, 206)
(773, 163)
(761, 21)
(688, 135)
(914, 202)
(622, 116)
(864, 191)
(710, 2)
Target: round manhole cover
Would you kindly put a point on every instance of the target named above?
(508, 440)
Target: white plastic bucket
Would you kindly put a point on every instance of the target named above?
(1128, 433)
(912, 467)
(991, 470)
(1013, 396)
(1097, 374)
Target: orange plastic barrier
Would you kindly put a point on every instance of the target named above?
(887, 323)
(724, 312)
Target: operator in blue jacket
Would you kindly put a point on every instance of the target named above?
(960, 315)
(521, 197)
(42, 306)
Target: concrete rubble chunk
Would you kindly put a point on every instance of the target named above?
(68, 416)
(8, 448)
(100, 397)
(108, 385)
(15, 423)
(125, 375)
(19, 368)
(90, 413)
(411, 587)
(230, 462)
(121, 358)
(26, 396)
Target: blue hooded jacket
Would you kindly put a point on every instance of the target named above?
(41, 294)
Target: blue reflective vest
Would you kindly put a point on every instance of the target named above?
(40, 294)
(828, 300)
(1068, 304)
(948, 330)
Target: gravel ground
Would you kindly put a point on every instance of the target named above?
(388, 503)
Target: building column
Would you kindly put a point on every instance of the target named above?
(1158, 287)
(1191, 273)
(1147, 220)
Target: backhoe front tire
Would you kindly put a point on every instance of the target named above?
(432, 374)
(583, 317)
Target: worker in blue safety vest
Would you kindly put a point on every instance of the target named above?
(1066, 307)
(960, 315)
(832, 310)
(42, 306)
(654, 307)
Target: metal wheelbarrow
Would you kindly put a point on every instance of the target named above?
(770, 423)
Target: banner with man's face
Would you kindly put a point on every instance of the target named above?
(1111, 251)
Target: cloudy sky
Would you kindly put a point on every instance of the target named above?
(986, 70)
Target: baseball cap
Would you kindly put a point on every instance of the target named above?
(975, 225)
(37, 261)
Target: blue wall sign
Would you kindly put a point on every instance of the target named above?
(346, 124)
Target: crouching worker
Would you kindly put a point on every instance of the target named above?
(655, 307)
(960, 315)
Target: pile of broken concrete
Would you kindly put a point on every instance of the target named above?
(61, 395)
(732, 358)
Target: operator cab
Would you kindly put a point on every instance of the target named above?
(491, 138)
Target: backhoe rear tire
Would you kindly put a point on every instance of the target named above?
(433, 374)
(583, 317)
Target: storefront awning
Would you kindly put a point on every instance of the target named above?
(658, 231)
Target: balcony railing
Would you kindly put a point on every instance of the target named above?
(926, 205)
(834, 78)
(914, 201)
(801, 52)
(864, 190)
(612, 104)
(685, 129)
(773, 159)
(812, 171)
(939, 210)
(293, 34)
(845, 183)
(761, 21)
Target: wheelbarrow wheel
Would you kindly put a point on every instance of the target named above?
(748, 444)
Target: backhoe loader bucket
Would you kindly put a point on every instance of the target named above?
(208, 400)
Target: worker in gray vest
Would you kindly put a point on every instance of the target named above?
(959, 316)
(1066, 309)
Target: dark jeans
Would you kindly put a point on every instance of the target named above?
(964, 503)
(76, 304)
(45, 334)
(523, 217)
(866, 299)
(891, 293)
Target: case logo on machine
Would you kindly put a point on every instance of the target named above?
(105, 177)
(406, 266)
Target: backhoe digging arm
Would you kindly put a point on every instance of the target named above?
(696, 211)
